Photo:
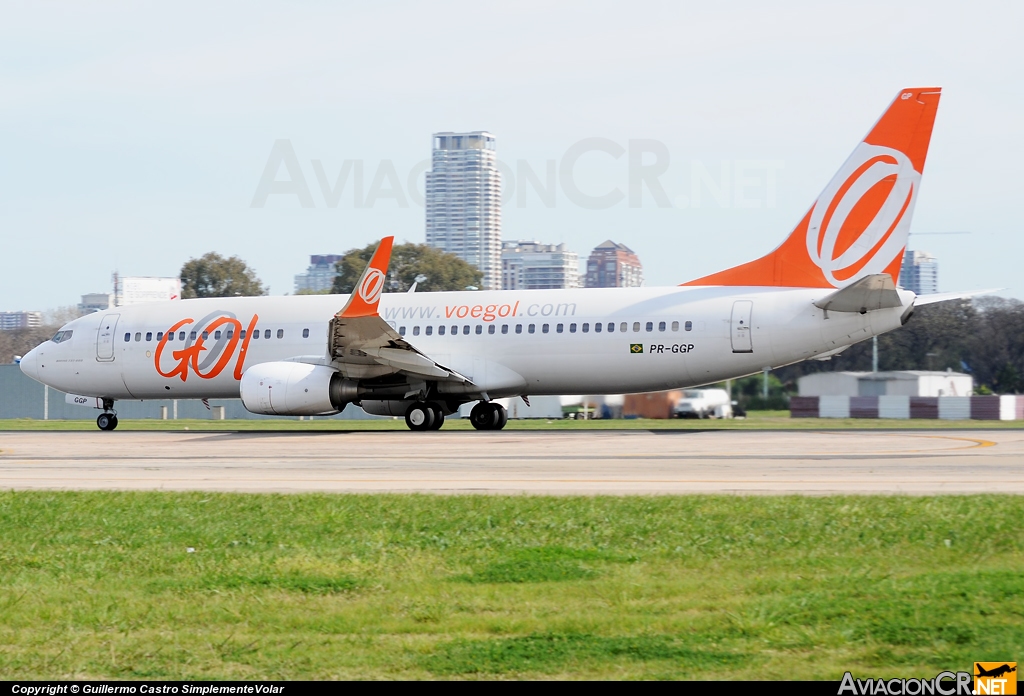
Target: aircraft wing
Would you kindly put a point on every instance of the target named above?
(362, 344)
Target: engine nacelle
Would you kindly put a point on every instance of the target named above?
(295, 389)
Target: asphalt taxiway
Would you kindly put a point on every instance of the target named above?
(531, 462)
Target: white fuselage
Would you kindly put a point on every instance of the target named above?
(688, 336)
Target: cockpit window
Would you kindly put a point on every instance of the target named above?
(57, 336)
(62, 336)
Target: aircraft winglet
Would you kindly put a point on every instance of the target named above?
(366, 294)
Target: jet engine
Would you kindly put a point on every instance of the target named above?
(295, 389)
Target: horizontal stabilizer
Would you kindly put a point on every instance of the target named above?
(947, 296)
(868, 294)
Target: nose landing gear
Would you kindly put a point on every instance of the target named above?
(108, 419)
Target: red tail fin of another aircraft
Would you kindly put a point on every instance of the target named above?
(859, 224)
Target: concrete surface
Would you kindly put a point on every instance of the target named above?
(543, 462)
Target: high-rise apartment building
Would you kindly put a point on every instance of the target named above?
(319, 277)
(20, 320)
(464, 201)
(920, 272)
(527, 265)
(613, 265)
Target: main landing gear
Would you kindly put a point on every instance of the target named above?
(423, 415)
(427, 415)
(488, 416)
(108, 419)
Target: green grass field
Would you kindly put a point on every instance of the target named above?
(757, 420)
(102, 585)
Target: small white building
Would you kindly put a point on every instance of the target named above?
(897, 383)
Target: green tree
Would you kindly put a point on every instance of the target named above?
(212, 275)
(440, 271)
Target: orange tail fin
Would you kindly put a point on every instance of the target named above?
(859, 224)
(366, 295)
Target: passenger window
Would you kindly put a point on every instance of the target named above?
(216, 335)
(455, 330)
(636, 326)
(504, 328)
(256, 334)
(430, 330)
(241, 334)
(149, 336)
(532, 328)
(611, 327)
(479, 329)
(650, 326)
(661, 326)
(138, 336)
(280, 333)
(440, 330)
(688, 325)
(675, 326)
(160, 335)
(127, 337)
(465, 329)
(415, 331)
(597, 327)
(231, 334)
(305, 333)
(266, 334)
(572, 328)
(544, 328)
(490, 328)
(519, 328)
(586, 327)
(206, 335)
(192, 336)
(558, 328)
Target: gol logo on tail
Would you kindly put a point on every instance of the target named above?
(205, 356)
(855, 224)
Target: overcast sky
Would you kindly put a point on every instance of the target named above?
(133, 136)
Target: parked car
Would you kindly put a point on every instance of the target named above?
(704, 403)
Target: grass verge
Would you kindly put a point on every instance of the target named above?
(216, 586)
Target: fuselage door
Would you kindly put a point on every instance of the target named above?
(105, 338)
(741, 311)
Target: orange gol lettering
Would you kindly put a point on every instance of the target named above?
(189, 356)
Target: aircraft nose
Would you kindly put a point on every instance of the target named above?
(30, 363)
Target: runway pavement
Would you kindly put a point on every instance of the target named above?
(538, 462)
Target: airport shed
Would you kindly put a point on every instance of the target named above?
(896, 383)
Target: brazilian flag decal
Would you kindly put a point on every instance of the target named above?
(636, 347)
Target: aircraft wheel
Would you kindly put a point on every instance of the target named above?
(502, 416)
(484, 416)
(106, 421)
(438, 417)
(419, 417)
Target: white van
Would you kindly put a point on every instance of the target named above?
(704, 403)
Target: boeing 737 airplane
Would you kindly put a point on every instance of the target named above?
(832, 283)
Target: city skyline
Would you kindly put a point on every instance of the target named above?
(135, 139)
